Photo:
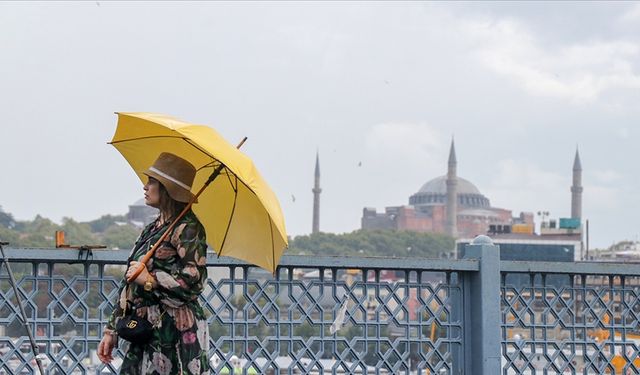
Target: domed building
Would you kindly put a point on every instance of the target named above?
(435, 191)
(453, 205)
(430, 209)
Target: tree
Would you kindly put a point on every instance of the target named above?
(105, 222)
(77, 233)
(373, 243)
(120, 236)
(39, 225)
(6, 219)
(8, 235)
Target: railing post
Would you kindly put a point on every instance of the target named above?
(482, 309)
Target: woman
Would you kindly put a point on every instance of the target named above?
(166, 291)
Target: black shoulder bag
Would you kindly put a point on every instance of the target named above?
(133, 328)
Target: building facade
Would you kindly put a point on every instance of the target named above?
(432, 208)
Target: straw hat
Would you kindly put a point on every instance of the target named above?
(175, 174)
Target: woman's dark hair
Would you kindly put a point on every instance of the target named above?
(169, 205)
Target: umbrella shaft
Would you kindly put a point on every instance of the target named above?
(213, 176)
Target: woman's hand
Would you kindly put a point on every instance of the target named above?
(105, 348)
(142, 277)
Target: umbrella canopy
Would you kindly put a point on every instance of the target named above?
(240, 213)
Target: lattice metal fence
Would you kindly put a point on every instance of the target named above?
(570, 319)
(390, 316)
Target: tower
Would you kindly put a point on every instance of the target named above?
(316, 197)
(452, 193)
(576, 188)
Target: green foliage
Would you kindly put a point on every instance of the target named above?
(6, 219)
(38, 225)
(120, 236)
(373, 243)
(108, 230)
(37, 233)
(8, 235)
(105, 222)
(77, 233)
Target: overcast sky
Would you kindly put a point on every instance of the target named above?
(378, 88)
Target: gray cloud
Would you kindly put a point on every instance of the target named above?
(384, 84)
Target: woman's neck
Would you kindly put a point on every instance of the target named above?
(164, 218)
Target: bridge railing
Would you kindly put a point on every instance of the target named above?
(340, 315)
(576, 318)
(317, 315)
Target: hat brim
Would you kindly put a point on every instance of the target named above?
(175, 191)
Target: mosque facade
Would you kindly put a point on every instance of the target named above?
(432, 209)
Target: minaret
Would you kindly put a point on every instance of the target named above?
(316, 197)
(452, 193)
(576, 188)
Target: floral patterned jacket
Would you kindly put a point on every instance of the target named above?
(178, 265)
(180, 340)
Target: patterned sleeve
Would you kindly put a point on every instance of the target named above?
(189, 274)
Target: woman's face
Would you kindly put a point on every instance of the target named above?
(152, 193)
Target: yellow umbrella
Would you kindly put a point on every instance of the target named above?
(240, 213)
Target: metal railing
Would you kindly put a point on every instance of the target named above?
(580, 318)
(339, 315)
(399, 315)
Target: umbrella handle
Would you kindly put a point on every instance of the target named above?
(186, 209)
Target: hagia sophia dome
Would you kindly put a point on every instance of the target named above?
(434, 192)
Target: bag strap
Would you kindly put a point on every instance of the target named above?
(150, 253)
(141, 242)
